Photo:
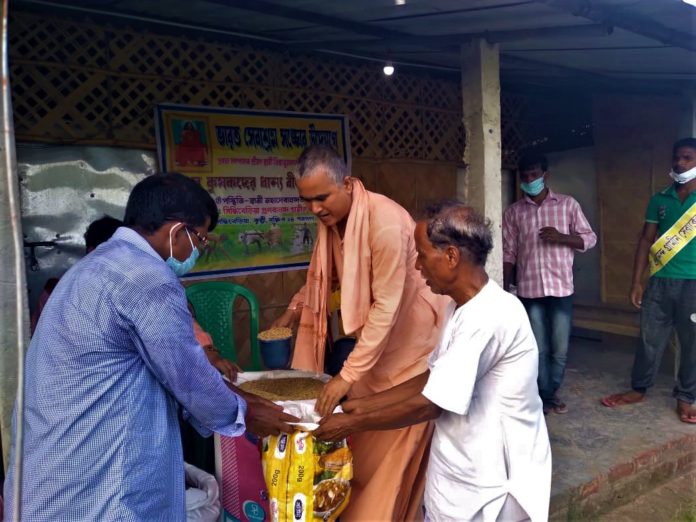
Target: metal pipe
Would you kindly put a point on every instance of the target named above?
(14, 320)
(448, 40)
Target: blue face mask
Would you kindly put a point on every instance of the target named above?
(533, 188)
(181, 268)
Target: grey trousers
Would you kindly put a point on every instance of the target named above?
(667, 304)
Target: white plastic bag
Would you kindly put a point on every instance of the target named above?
(203, 500)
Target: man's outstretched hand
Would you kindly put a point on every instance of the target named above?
(263, 416)
(331, 395)
(336, 426)
(269, 420)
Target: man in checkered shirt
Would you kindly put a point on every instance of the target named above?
(541, 233)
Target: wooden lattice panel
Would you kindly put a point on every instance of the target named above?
(40, 39)
(401, 89)
(446, 130)
(213, 94)
(365, 127)
(401, 132)
(84, 83)
(57, 103)
(305, 73)
(512, 128)
(133, 103)
(441, 94)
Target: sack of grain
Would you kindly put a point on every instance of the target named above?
(307, 479)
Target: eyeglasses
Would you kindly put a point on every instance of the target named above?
(202, 239)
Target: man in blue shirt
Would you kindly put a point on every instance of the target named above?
(112, 357)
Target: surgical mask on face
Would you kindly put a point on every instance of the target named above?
(181, 268)
(533, 188)
(684, 177)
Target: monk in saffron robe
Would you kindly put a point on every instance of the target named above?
(191, 150)
(365, 248)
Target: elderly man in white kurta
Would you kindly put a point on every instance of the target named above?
(490, 449)
(490, 458)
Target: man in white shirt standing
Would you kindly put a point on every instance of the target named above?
(490, 458)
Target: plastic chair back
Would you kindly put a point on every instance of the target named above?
(213, 302)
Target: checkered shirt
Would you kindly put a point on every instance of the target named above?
(544, 269)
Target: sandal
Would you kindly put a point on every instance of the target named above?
(619, 399)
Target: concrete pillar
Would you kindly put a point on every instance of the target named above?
(479, 183)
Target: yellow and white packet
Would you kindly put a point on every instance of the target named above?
(308, 480)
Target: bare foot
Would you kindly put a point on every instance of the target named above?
(621, 399)
(687, 412)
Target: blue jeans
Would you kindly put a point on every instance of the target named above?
(550, 318)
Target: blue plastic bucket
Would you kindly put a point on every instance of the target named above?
(276, 354)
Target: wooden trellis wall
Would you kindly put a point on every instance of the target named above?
(78, 82)
(513, 129)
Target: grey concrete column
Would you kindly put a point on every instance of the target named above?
(479, 183)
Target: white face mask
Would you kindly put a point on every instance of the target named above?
(684, 177)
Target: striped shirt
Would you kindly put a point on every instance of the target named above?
(112, 358)
(544, 269)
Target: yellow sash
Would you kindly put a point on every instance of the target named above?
(673, 240)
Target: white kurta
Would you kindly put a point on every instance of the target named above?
(490, 441)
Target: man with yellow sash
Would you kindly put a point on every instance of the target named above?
(668, 247)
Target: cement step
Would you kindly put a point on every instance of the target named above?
(673, 501)
(606, 457)
(628, 482)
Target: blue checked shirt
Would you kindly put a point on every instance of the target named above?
(113, 354)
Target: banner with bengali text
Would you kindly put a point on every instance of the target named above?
(246, 159)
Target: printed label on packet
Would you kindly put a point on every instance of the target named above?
(299, 507)
(276, 468)
(300, 477)
(300, 444)
(274, 510)
(281, 446)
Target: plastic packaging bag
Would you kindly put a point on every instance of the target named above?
(308, 480)
(202, 500)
